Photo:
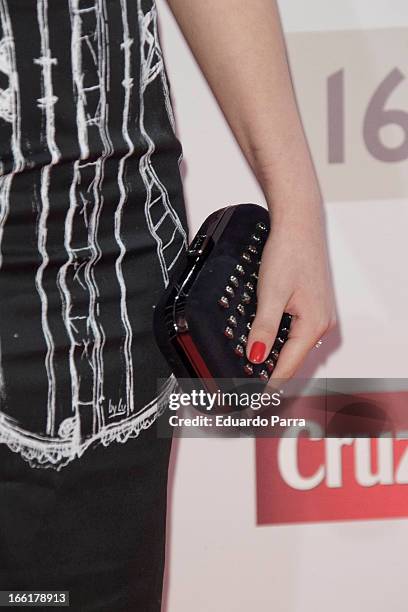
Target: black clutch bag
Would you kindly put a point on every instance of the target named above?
(203, 319)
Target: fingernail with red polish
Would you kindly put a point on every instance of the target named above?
(257, 352)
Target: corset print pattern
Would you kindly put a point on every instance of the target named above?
(92, 221)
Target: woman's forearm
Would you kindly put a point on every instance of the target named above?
(240, 49)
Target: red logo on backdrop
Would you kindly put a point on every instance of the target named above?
(307, 477)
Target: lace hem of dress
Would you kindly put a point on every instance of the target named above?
(44, 452)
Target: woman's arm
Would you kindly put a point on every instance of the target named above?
(240, 48)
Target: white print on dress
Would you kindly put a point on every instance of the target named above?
(61, 442)
(46, 102)
(128, 84)
(86, 334)
(10, 112)
(157, 206)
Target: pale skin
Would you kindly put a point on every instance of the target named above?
(240, 48)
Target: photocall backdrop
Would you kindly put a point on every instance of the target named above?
(289, 525)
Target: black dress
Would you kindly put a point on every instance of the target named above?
(92, 221)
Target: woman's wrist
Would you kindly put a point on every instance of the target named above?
(289, 183)
(301, 208)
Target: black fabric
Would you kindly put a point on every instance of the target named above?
(92, 222)
(95, 529)
(92, 216)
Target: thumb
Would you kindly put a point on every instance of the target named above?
(264, 328)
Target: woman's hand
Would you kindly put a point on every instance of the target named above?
(241, 50)
(294, 277)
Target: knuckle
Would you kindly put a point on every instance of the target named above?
(323, 325)
(263, 327)
(332, 322)
(319, 329)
